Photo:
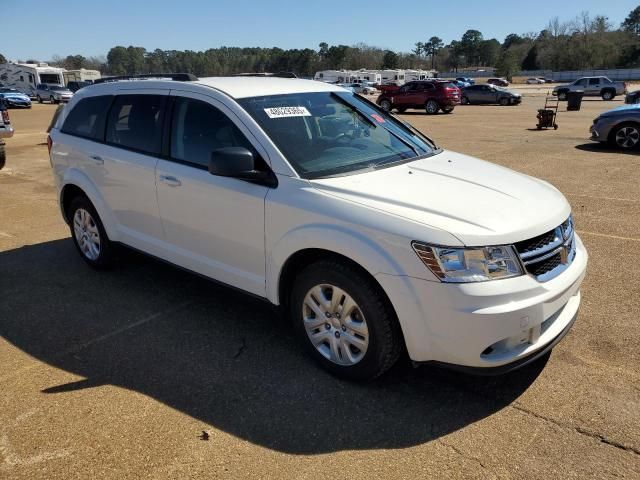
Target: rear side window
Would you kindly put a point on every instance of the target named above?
(87, 118)
(197, 129)
(135, 122)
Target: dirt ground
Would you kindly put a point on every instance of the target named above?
(150, 372)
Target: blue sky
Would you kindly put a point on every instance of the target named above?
(90, 27)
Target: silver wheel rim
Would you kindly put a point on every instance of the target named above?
(607, 95)
(386, 106)
(627, 137)
(86, 233)
(335, 325)
(432, 107)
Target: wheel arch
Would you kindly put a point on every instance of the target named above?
(77, 183)
(614, 129)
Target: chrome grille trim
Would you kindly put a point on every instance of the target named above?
(548, 255)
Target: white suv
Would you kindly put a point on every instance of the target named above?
(373, 239)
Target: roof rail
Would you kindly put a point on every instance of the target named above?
(267, 74)
(178, 77)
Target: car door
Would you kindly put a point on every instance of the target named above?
(473, 93)
(126, 164)
(402, 97)
(213, 225)
(485, 94)
(593, 87)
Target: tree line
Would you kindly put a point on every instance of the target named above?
(582, 43)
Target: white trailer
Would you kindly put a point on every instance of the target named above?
(25, 77)
(336, 76)
(81, 75)
(393, 76)
(372, 76)
(411, 75)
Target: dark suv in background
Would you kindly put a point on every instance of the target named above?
(432, 95)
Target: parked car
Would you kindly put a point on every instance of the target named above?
(346, 86)
(6, 130)
(592, 87)
(432, 95)
(632, 97)
(53, 93)
(364, 89)
(373, 239)
(500, 82)
(619, 127)
(535, 81)
(15, 98)
(468, 80)
(548, 80)
(460, 84)
(489, 94)
(75, 85)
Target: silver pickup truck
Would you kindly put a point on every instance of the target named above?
(6, 131)
(592, 87)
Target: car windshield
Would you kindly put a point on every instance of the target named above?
(57, 88)
(334, 133)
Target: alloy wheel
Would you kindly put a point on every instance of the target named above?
(627, 137)
(86, 233)
(335, 324)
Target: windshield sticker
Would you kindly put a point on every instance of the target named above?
(377, 118)
(285, 112)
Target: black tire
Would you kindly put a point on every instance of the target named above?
(504, 101)
(431, 107)
(3, 156)
(39, 99)
(52, 100)
(385, 341)
(447, 109)
(562, 95)
(105, 257)
(608, 95)
(386, 105)
(465, 101)
(631, 133)
(401, 109)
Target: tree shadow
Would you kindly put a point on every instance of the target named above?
(222, 357)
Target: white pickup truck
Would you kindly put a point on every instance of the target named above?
(6, 131)
(592, 87)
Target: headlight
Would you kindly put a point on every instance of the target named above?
(476, 264)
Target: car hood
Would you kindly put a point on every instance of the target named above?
(15, 95)
(622, 110)
(476, 201)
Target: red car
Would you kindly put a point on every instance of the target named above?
(432, 95)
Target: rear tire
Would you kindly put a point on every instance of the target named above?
(345, 321)
(401, 109)
(464, 101)
(39, 99)
(89, 235)
(432, 107)
(504, 101)
(608, 95)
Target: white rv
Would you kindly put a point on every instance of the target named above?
(336, 76)
(81, 75)
(393, 76)
(25, 77)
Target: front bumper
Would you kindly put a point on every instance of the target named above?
(17, 103)
(600, 131)
(486, 325)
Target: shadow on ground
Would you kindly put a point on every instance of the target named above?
(601, 147)
(221, 357)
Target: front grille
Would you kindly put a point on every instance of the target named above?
(549, 254)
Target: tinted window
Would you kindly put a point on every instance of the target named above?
(594, 81)
(135, 121)
(88, 117)
(197, 129)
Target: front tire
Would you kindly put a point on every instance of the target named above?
(447, 109)
(344, 320)
(562, 95)
(504, 101)
(464, 101)
(432, 107)
(3, 156)
(385, 105)
(89, 235)
(626, 136)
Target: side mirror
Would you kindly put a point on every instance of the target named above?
(240, 163)
(231, 161)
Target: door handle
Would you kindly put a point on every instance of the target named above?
(171, 181)
(97, 159)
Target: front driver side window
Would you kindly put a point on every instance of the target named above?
(198, 128)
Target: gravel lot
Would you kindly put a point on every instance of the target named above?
(150, 372)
